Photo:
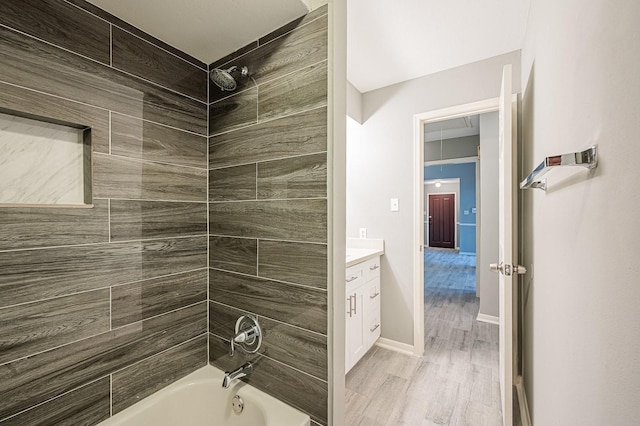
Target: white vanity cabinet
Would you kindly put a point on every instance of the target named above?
(362, 309)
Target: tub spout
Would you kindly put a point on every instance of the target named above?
(239, 372)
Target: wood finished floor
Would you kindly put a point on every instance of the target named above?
(456, 382)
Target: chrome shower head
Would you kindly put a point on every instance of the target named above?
(227, 80)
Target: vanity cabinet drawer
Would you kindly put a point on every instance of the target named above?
(372, 268)
(354, 276)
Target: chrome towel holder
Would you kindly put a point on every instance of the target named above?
(587, 158)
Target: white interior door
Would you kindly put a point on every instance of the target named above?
(507, 242)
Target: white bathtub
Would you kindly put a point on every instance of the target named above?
(199, 400)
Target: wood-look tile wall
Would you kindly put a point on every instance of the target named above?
(101, 306)
(268, 212)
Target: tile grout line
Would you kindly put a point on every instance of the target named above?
(269, 120)
(151, 82)
(179, 237)
(258, 46)
(277, 240)
(4, 419)
(140, 322)
(289, 157)
(319, 289)
(144, 160)
(149, 200)
(250, 200)
(135, 35)
(46, 299)
(75, 101)
(272, 319)
(280, 77)
(279, 362)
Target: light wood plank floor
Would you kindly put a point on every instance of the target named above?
(455, 382)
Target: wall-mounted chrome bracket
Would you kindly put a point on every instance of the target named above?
(587, 158)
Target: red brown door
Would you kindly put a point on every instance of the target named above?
(442, 220)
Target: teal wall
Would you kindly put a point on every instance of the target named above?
(466, 172)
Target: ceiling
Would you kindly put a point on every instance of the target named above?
(388, 41)
(392, 41)
(453, 128)
(206, 29)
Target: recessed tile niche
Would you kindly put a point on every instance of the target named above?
(44, 163)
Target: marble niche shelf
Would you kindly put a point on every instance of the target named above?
(44, 163)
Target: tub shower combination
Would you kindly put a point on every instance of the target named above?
(210, 397)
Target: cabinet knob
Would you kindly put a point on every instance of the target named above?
(354, 277)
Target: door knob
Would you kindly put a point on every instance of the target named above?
(507, 269)
(496, 268)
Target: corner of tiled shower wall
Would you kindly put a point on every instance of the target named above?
(268, 212)
(99, 307)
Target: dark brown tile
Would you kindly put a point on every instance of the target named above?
(296, 23)
(298, 263)
(224, 60)
(293, 346)
(30, 275)
(119, 177)
(297, 389)
(233, 183)
(132, 137)
(59, 23)
(300, 91)
(31, 104)
(133, 220)
(297, 177)
(144, 378)
(33, 64)
(133, 30)
(144, 299)
(238, 110)
(30, 227)
(34, 327)
(299, 306)
(304, 133)
(33, 380)
(141, 58)
(293, 220)
(293, 50)
(87, 405)
(234, 254)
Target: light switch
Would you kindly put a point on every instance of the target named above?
(394, 205)
(473, 210)
(466, 212)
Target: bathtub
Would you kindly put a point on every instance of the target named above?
(199, 400)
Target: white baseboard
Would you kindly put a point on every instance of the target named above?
(525, 416)
(488, 318)
(403, 348)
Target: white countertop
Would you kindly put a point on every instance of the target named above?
(357, 255)
(361, 249)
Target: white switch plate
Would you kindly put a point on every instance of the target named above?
(363, 232)
(394, 205)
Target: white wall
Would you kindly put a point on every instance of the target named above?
(488, 281)
(581, 67)
(382, 169)
(354, 103)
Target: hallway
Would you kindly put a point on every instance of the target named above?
(455, 382)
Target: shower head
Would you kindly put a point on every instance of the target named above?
(227, 80)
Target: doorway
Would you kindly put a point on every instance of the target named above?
(441, 214)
